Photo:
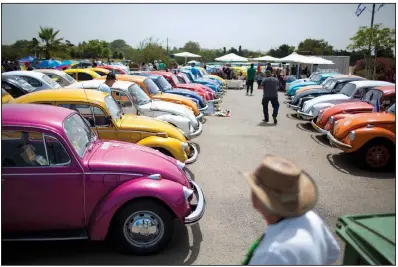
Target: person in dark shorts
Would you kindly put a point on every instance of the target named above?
(251, 72)
(270, 87)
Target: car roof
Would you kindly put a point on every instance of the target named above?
(163, 73)
(371, 83)
(16, 115)
(64, 94)
(99, 69)
(387, 90)
(344, 78)
(34, 74)
(93, 84)
(52, 71)
(88, 71)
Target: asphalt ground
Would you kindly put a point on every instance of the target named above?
(228, 147)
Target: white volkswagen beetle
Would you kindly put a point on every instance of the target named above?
(38, 80)
(134, 100)
(352, 91)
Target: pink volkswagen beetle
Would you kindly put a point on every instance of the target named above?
(59, 182)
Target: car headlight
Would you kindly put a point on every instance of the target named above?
(187, 193)
(331, 119)
(180, 164)
(184, 146)
(351, 136)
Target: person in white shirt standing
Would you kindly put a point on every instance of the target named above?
(109, 81)
(284, 195)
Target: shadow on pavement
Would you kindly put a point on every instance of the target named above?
(178, 252)
(347, 163)
(321, 139)
(293, 116)
(197, 146)
(306, 126)
(266, 124)
(190, 173)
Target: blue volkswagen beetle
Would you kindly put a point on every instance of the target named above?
(209, 83)
(315, 80)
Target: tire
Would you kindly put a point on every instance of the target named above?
(368, 153)
(130, 215)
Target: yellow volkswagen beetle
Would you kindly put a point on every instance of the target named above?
(100, 71)
(109, 121)
(152, 90)
(6, 97)
(81, 75)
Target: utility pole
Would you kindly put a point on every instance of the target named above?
(371, 39)
(168, 42)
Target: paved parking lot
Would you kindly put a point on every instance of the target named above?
(229, 146)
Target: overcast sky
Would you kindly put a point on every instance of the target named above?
(253, 26)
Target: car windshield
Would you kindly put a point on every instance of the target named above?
(329, 85)
(152, 88)
(188, 74)
(70, 79)
(51, 82)
(391, 109)
(79, 133)
(175, 79)
(164, 83)
(312, 77)
(348, 89)
(24, 85)
(138, 95)
(317, 79)
(113, 108)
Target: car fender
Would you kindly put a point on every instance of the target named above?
(366, 134)
(341, 116)
(166, 191)
(318, 107)
(172, 145)
(178, 121)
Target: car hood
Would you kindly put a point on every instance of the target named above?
(344, 126)
(351, 107)
(146, 124)
(121, 157)
(177, 99)
(324, 99)
(310, 87)
(173, 108)
(313, 92)
(189, 93)
(304, 84)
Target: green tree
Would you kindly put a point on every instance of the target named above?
(120, 56)
(51, 43)
(316, 47)
(115, 55)
(192, 47)
(282, 51)
(379, 38)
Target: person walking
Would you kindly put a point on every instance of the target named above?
(259, 78)
(194, 70)
(285, 195)
(109, 81)
(162, 66)
(270, 87)
(258, 67)
(269, 67)
(251, 72)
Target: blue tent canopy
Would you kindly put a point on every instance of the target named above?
(26, 59)
(47, 64)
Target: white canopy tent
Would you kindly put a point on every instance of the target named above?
(320, 61)
(266, 58)
(193, 61)
(232, 58)
(187, 55)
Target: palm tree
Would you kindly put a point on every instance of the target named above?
(50, 40)
(35, 47)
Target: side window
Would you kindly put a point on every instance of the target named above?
(181, 80)
(122, 99)
(339, 87)
(56, 152)
(32, 81)
(23, 149)
(83, 77)
(388, 101)
(87, 112)
(55, 78)
(359, 93)
(116, 71)
(71, 74)
(12, 90)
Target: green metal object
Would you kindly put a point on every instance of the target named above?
(370, 239)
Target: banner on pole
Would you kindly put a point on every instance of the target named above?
(360, 9)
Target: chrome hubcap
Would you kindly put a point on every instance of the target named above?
(143, 228)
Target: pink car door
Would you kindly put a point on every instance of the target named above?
(42, 183)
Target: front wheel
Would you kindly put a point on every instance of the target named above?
(143, 227)
(376, 155)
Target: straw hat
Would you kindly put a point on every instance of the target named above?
(283, 188)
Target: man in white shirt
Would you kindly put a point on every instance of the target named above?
(295, 235)
(109, 81)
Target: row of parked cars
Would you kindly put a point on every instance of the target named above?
(355, 114)
(78, 163)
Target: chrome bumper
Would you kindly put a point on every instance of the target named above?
(194, 154)
(215, 101)
(198, 132)
(200, 208)
(204, 108)
(200, 116)
(337, 143)
(319, 129)
(305, 116)
(294, 107)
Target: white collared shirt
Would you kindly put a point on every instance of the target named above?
(303, 240)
